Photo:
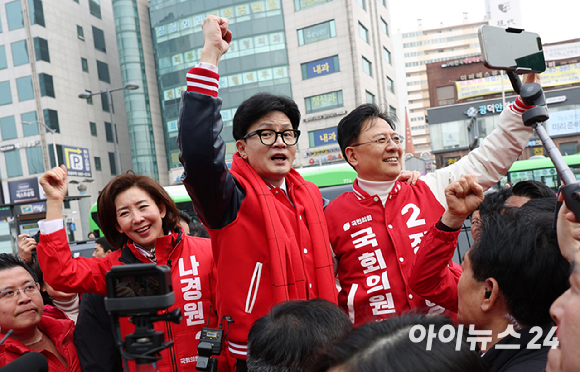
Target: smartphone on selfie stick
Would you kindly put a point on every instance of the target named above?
(519, 52)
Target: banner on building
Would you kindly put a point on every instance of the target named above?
(563, 122)
(24, 190)
(553, 76)
(323, 137)
(562, 51)
(77, 161)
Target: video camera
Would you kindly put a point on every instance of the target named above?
(210, 343)
(141, 291)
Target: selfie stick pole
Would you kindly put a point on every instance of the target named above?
(532, 94)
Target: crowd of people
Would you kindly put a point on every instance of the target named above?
(363, 283)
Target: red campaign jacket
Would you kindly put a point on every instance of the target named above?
(375, 247)
(432, 274)
(192, 275)
(246, 283)
(60, 332)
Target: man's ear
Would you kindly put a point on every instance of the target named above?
(490, 295)
(241, 147)
(351, 156)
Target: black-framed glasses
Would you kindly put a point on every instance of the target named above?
(384, 140)
(13, 292)
(269, 136)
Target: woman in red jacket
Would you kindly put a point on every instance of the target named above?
(137, 216)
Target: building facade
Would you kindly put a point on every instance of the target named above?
(49, 53)
(421, 48)
(328, 56)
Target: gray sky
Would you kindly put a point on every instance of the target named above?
(556, 22)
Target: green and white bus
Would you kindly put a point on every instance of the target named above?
(542, 170)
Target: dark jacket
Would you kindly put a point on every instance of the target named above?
(523, 359)
(93, 337)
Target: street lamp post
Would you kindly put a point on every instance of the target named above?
(87, 95)
(52, 132)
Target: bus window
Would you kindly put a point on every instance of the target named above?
(547, 176)
(576, 170)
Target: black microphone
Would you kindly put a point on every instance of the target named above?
(29, 362)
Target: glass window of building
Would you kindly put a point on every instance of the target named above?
(25, 89)
(112, 164)
(390, 85)
(36, 12)
(93, 129)
(14, 15)
(20, 53)
(568, 148)
(387, 55)
(80, 33)
(35, 160)
(367, 66)
(384, 2)
(60, 157)
(446, 95)
(51, 120)
(312, 34)
(393, 112)
(322, 102)
(95, 8)
(98, 163)
(84, 64)
(370, 97)
(90, 99)
(13, 164)
(99, 39)
(29, 124)
(41, 49)
(3, 63)
(305, 4)
(103, 72)
(384, 27)
(109, 132)
(8, 128)
(46, 85)
(5, 93)
(362, 4)
(105, 103)
(363, 32)
(320, 67)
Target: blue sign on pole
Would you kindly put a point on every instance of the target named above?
(77, 161)
(321, 67)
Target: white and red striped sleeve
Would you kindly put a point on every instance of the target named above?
(203, 80)
(518, 106)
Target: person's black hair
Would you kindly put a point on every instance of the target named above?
(259, 105)
(184, 216)
(291, 336)
(8, 261)
(105, 244)
(494, 201)
(198, 229)
(350, 126)
(520, 250)
(532, 189)
(388, 346)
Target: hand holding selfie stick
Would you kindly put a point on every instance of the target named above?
(532, 94)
